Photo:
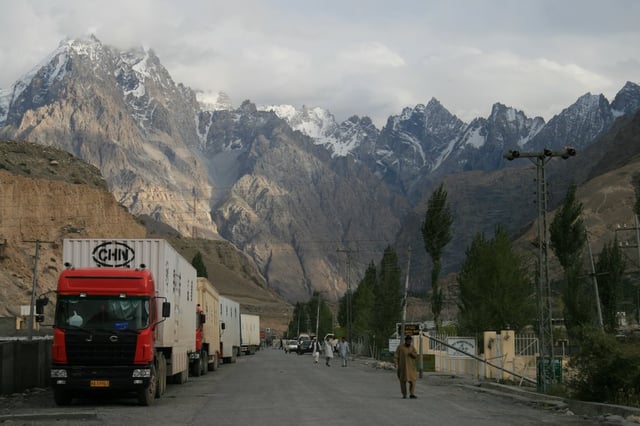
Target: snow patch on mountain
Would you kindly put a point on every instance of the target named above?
(475, 138)
(211, 101)
(5, 101)
(317, 123)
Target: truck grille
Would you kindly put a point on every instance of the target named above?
(100, 348)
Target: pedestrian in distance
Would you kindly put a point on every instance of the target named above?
(315, 350)
(404, 362)
(343, 349)
(328, 351)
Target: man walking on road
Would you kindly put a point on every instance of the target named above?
(343, 348)
(315, 350)
(328, 351)
(404, 362)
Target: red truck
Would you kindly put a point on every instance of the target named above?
(124, 320)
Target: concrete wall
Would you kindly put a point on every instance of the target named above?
(24, 364)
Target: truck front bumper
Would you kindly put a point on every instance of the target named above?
(129, 378)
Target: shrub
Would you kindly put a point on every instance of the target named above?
(606, 370)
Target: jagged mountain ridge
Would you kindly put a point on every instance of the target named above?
(165, 157)
(162, 153)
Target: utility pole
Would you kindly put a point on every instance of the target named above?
(636, 245)
(543, 289)
(195, 203)
(348, 252)
(406, 291)
(595, 283)
(318, 316)
(34, 287)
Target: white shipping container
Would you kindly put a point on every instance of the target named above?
(230, 336)
(249, 332)
(175, 281)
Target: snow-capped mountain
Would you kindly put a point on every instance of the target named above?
(430, 141)
(274, 180)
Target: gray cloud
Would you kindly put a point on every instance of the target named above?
(357, 57)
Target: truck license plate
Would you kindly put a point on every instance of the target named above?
(99, 384)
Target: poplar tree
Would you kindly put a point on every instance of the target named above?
(436, 233)
(363, 304)
(610, 269)
(388, 298)
(568, 236)
(495, 290)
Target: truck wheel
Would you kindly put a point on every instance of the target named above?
(62, 397)
(196, 369)
(162, 376)
(204, 363)
(148, 394)
(215, 363)
(182, 377)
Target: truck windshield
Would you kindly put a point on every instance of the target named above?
(111, 313)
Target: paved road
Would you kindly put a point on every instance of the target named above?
(274, 388)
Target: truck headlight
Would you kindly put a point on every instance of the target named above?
(141, 372)
(57, 373)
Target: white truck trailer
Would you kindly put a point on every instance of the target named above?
(208, 356)
(249, 333)
(230, 329)
(97, 283)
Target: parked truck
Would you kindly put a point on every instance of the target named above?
(124, 318)
(207, 355)
(230, 326)
(249, 333)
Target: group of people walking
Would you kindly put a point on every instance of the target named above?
(327, 349)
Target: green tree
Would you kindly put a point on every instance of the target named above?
(364, 304)
(495, 292)
(610, 270)
(567, 232)
(299, 321)
(198, 263)
(567, 235)
(388, 298)
(635, 181)
(436, 233)
(325, 322)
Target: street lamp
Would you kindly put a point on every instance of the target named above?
(544, 300)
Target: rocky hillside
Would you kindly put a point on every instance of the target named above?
(47, 195)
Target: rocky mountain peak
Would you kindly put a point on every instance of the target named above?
(627, 100)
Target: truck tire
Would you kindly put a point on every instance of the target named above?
(61, 397)
(213, 365)
(181, 377)
(148, 394)
(196, 368)
(162, 375)
(204, 363)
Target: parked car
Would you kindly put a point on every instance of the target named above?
(291, 346)
(304, 347)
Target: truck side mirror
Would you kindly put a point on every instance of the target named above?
(40, 304)
(203, 318)
(166, 309)
(222, 325)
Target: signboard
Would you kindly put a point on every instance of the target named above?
(466, 344)
(410, 328)
(393, 345)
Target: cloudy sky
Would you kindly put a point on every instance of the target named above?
(366, 57)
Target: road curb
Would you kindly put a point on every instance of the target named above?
(583, 408)
(53, 415)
